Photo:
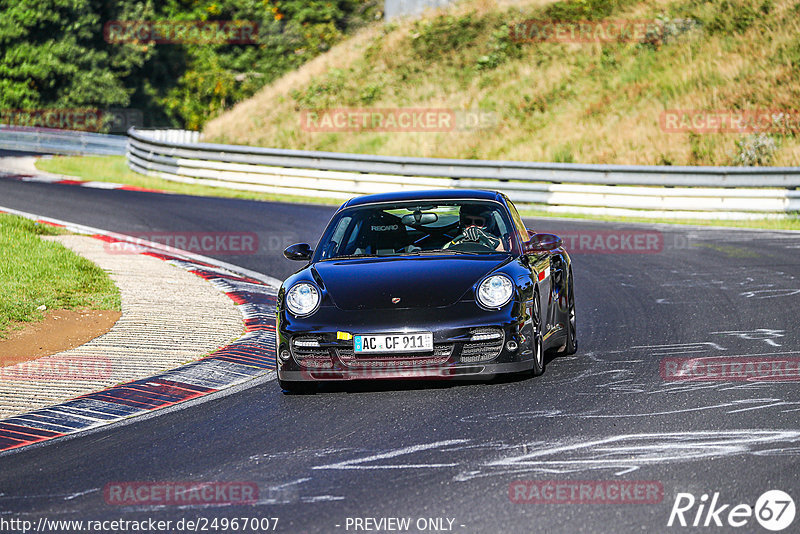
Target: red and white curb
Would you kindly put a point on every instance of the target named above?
(42, 178)
(249, 357)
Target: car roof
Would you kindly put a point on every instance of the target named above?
(437, 194)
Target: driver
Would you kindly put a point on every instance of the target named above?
(477, 225)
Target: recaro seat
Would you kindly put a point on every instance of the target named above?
(383, 235)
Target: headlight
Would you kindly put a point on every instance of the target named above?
(302, 299)
(495, 291)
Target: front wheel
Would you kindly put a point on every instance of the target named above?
(571, 346)
(537, 343)
(538, 355)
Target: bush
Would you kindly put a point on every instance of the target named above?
(563, 155)
(324, 93)
(755, 149)
(736, 17)
(577, 10)
(433, 38)
(53, 54)
(501, 49)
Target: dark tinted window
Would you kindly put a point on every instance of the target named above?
(417, 227)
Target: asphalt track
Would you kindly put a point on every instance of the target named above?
(452, 450)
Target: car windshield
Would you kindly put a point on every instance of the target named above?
(433, 227)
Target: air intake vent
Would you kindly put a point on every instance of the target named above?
(441, 353)
(487, 345)
(309, 354)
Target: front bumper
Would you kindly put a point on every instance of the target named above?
(454, 372)
(462, 349)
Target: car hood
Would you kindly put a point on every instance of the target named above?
(419, 281)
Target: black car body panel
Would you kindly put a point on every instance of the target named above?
(425, 291)
(437, 281)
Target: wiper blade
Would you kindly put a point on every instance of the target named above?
(350, 256)
(444, 252)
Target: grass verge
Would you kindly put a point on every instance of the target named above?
(36, 272)
(114, 169)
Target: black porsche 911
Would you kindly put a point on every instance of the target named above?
(424, 284)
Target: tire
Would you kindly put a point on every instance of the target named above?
(571, 345)
(297, 388)
(537, 343)
(538, 355)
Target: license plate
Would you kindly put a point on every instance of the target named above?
(410, 342)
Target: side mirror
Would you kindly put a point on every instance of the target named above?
(542, 243)
(298, 252)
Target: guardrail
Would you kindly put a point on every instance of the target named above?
(654, 191)
(51, 141)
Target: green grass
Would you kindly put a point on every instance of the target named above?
(114, 169)
(36, 272)
(598, 102)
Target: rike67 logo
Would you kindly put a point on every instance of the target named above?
(774, 510)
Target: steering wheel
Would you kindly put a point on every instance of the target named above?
(458, 239)
(474, 234)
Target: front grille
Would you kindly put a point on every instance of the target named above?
(311, 357)
(481, 351)
(441, 353)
